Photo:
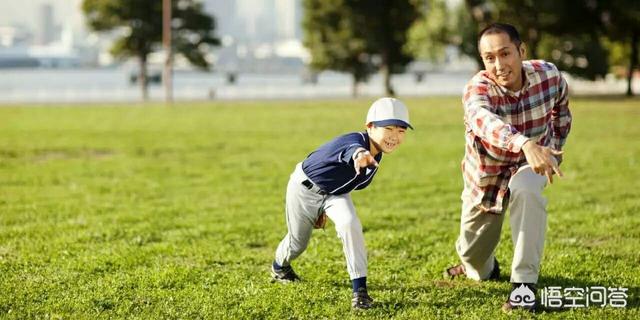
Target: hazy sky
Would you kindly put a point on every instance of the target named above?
(68, 12)
(25, 12)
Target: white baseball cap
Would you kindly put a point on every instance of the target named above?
(388, 112)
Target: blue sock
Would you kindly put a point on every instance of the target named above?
(359, 283)
(276, 265)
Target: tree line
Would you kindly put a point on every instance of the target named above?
(586, 38)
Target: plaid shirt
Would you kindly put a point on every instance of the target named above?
(498, 122)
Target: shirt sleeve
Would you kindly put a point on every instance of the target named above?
(480, 115)
(352, 143)
(561, 116)
(347, 154)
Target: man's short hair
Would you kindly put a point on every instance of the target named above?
(497, 27)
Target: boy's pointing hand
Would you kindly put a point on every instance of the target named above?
(363, 159)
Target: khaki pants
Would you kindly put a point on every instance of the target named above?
(480, 231)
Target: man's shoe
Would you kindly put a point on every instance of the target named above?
(361, 299)
(495, 273)
(284, 274)
(522, 296)
(458, 270)
(453, 272)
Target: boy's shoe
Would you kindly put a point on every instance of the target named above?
(284, 274)
(361, 300)
(458, 271)
(522, 296)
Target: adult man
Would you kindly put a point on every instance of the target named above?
(517, 120)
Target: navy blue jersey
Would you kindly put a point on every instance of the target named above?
(331, 166)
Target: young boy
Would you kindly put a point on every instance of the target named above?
(321, 185)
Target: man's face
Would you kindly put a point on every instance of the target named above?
(502, 59)
(386, 139)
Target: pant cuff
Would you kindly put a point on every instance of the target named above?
(524, 279)
(479, 275)
(357, 275)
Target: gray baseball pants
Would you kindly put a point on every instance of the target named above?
(303, 207)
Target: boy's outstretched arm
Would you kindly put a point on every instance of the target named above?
(362, 158)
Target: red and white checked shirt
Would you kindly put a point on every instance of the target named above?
(498, 122)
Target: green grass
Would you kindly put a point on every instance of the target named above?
(153, 212)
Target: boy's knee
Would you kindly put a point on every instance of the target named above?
(349, 225)
(297, 246)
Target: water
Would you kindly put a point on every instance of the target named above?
(113, 85)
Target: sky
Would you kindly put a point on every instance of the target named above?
(69, 13)
(25, 12)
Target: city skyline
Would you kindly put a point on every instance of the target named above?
(244, 20)
(26, 13)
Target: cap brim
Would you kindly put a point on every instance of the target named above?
(392, 122)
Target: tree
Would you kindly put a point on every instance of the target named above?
(350, 35)
(429, 35)
(621, 21)
(336, 38)
(388, 23)
(139, 23)
(581, 55)
(563, 32)
(473, 17)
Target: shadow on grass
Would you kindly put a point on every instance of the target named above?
(444, 294)
(395, 306)
(397, 297)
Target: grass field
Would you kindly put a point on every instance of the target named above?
(153, 212)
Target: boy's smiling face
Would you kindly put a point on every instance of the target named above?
(385, 139)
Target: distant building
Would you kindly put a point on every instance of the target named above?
(289, 19)
(255, 21)
(258, 36)
(226, 16)
(13, 36)
(46, 29)
(16, 51)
